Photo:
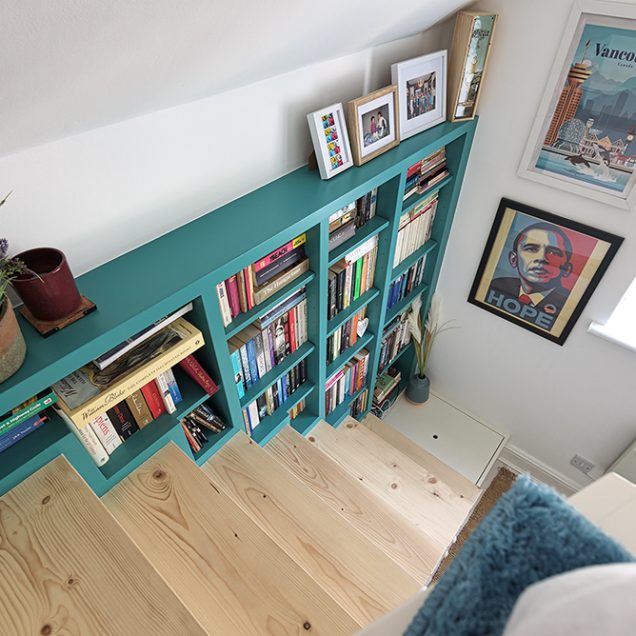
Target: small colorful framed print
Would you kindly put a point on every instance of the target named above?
(330, 139)
(374, 124)
(421, 87)
(539, 270)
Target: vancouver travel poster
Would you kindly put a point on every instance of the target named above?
(588, 135)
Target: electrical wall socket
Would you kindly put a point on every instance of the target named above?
(584, 465)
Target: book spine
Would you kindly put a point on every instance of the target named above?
(106, 433)
(260, 355)
(267, 273)
(292, 331)
(251, 359)
(240, 279)
(249, 287)
(192, 367)
(122, 420)
(87, 438)
(262, 294)
(252, 412)
(246, 366)
(27, 412)
(279, 253)
(342, 234)
(173, 387)
(153, 399)
(139, 409)
(164, 392)
(231, 286)
(224, 304)
(22, 430)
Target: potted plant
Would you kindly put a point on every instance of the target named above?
(423, 336)
(12, 345)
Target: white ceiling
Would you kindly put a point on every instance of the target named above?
(72, 65)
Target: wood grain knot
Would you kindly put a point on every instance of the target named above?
(394, 486)
(46, 500)
(307, 625)
(349, 425)
(46, 629)
(311, 438)
(158, 474)
(71, 581)
(432, 480)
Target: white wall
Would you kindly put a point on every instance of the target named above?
(555, 401)
(101, 193)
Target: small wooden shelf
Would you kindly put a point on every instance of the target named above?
(352, 309)
(370, 228)
(414, 199)
(404, 266)
(400, 306)
(269, 426)
(348, 353)
(342, 410)
(248, 317)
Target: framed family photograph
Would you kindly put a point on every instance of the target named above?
(582, 139)
(472, 39)
(421, 87)
(539, 270)
(328, 128)
(374, 124)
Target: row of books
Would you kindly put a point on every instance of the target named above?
(415, 228)
(350, 277)
(406, 283)
(396, 337)
(199, 425)
(359, 405)
(349, 379)
(25, 418)
(426, 173)
(275, 396)
(257, 282)
(261, 346)
(297, 409)
(344, 223)
(346, 335)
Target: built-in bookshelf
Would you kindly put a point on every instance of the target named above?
(187, 265)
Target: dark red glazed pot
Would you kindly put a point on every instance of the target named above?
(54, 294)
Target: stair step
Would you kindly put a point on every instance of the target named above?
(370, 515)
(417, 494)
(459, 484)
(355, 573)
(67, 567)
(232, 577)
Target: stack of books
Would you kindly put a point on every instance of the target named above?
(425, 174)
(345, 336)
(104, 407)
(350, 277)
(344, 223)
(406, 283)
(257, 282)
(275, 395)
(25, 418)
(415, 228)
(268, 340)
(199, 424)
(385, 384)
(345, 382)
(396, 337)
(359, 405)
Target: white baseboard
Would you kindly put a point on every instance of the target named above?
(521, 462)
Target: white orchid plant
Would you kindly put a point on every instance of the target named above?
(424, 335)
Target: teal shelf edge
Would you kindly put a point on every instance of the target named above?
(342, 410)
(370, 228)
(348, 353)
(256, 390)
(270, 426)
(215, 442)
(245, 319)
(404, 266)
(353, 308)
(395, 358)
(399, 307)
(412, 201)
(304, 423)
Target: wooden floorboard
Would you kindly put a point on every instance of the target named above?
(460, 484)
(356, 574)
(418, 495)
(373, 517)
(228, 572)
(66, 567)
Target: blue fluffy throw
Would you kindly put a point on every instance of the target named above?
(531, 534)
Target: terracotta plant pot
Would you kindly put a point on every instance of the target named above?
(12, 345)
(418, 389)
(52, 294)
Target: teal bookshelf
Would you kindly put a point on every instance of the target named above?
(185, 265)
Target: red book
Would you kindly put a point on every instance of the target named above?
(231, 285)
(292, 329)
(153, 399)
(249, 290)
(198, 374)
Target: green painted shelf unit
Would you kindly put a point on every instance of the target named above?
(185, 265)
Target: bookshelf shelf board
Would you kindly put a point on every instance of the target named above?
(270, 425)
(353, 308)
(277, 372)
(248, 317)
(344, 357)
(304, 422)
(414, 199)
(215, 441)
(370, 228)
(400, 306)
(402, 267)
(395, 358)
(342, 410)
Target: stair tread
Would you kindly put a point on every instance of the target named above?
(233, 578)
(381, 524)
(66, 566)
(460, 484)
(357, 574)
(417, 494)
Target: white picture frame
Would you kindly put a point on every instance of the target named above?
(536, 164)
(329, 136)
(421, 85)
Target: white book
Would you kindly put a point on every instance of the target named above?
(255, 420)
(164, 389)
(87, 438)
(397, 257)
(346, 297)
(106, 433)
(361, 250)
(224, 304)
(342, 211)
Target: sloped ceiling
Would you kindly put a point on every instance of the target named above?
(73, 65)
